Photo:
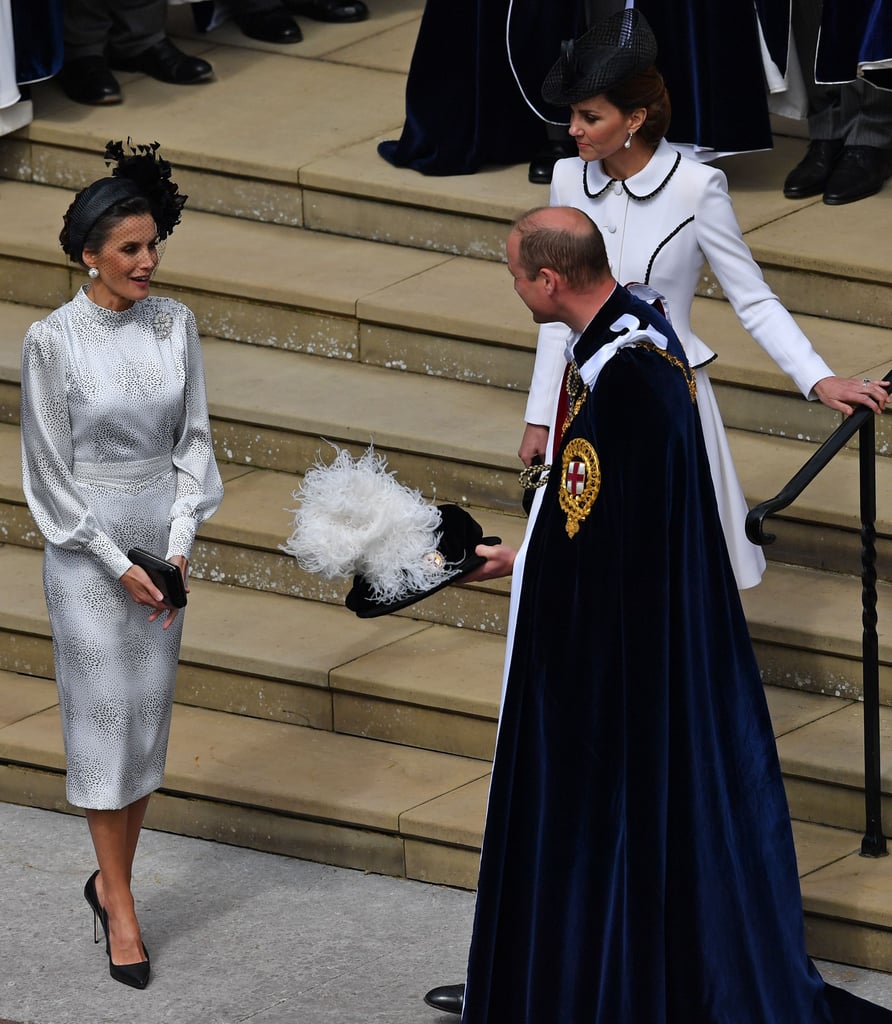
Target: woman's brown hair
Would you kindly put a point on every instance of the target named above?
(648, 90)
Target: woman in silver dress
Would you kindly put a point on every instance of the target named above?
(117, 454)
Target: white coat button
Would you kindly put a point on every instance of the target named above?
(611, 228)
(617, 188)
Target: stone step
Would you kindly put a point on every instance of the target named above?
(820, 744)
(422, 683)
(818, 738)
(309, 793)
(821, 529)
(275, 410)
(846, 897)
(300, 662)
(381, 807)
(272, 409)
(806, 629)
(241, 545)
(301, 291)
(392, 309)
(329, 178)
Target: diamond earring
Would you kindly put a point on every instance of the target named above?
(93, 273)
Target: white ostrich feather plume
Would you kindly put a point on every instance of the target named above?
(356, 518)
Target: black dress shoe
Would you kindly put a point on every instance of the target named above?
(813, 171)
(167, 63)
(330, 10)
(89, 80)
(542, 164)
(448, 998)
(858, 173)
(272, 26)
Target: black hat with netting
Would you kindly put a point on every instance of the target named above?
(610, 51)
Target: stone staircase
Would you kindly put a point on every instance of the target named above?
(342, 299)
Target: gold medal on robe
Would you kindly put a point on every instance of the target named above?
(580, 482)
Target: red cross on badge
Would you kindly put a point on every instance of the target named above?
(582, 482)
(574, 479)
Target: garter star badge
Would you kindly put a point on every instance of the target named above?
(581, 474)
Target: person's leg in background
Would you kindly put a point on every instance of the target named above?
(85, 76)
(866, 159)
(139, 42)
(849, 127)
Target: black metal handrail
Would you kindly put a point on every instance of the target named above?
(873, 844)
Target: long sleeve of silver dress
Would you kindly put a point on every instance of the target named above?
(116, 453)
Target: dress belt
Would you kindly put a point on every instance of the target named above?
(115, 473)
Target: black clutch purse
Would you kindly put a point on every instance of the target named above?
(165, 575)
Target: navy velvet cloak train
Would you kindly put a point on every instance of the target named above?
(638, 863)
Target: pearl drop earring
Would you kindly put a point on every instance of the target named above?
(93, 273)
(628, 143)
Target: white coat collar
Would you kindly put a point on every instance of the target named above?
(649, 180)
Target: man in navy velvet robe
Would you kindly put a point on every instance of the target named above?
(638, 863)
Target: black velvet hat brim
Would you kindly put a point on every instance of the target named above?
(461, 534)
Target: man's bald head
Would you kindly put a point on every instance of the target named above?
(565, 240)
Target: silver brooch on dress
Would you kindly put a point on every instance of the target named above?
(162, 324)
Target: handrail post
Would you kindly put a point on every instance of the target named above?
(861, 421)
(874, 842)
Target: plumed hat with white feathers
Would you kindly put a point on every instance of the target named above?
(356, 519)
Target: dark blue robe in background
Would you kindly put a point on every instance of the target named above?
(711, 60)
(37, 34)
(464, 108)
(853, 33)
(638, 863)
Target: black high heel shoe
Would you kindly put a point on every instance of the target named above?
(136, 975)
(91, 898)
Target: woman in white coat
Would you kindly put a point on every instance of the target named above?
(662, 216)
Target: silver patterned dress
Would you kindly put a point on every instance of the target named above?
(117, 453)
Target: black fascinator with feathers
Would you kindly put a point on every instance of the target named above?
(151, 173)
(137, 171)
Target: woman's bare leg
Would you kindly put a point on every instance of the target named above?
(115, 837)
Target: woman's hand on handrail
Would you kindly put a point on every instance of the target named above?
(843, 393)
